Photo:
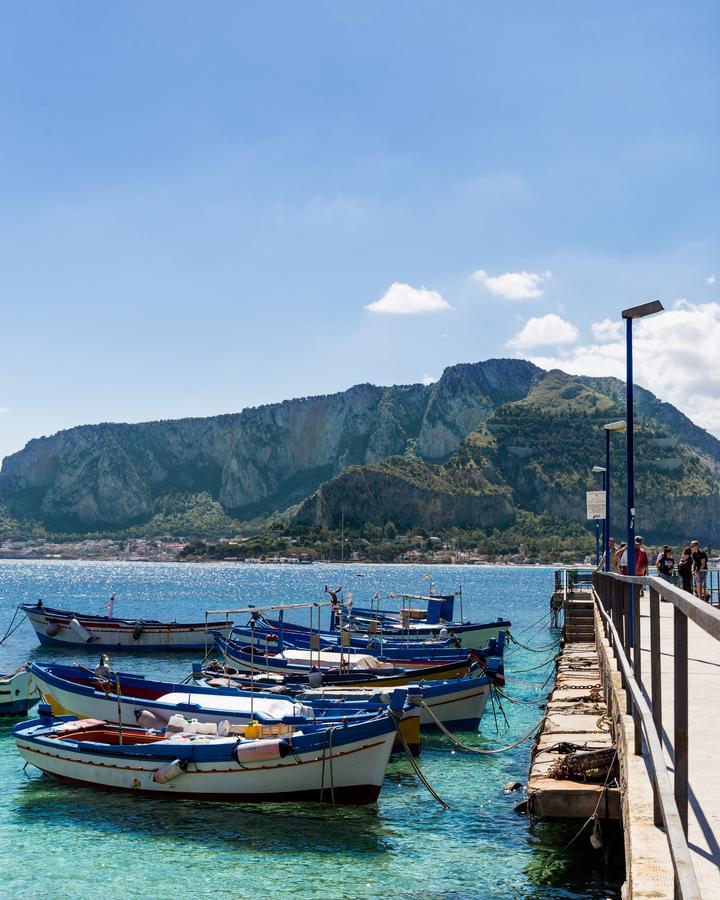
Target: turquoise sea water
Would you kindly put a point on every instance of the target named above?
(59, 841)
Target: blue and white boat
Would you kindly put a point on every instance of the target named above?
(17, 694)
(76, 690)
(64, 628)
(344, 763)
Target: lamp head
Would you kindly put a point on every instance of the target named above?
(645, 309)
(599, 469)
(620, 425)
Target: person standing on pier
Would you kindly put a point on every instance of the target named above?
(665, 564)
(615, 553)
(700, 565)
(641, 557)
(685, 570)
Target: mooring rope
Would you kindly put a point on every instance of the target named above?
(533, 624)
(519, 702)
(480, 750)
(544, 649)
(413, 762)
(10, 630)
(535, 668)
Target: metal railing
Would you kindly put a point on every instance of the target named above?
(619, 607)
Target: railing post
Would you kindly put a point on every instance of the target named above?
(680, 652)
(626, 606)
(637, 669)
(656, 685)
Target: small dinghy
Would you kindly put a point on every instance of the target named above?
(63, 628)
(17, 692)
(340, 764)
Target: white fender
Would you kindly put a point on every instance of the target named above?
(146, 719)
(170, 771)
(259, 751)
(80, 630)
(51, 629)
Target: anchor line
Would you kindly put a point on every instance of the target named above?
(533, 624)
(535, 668)
(519, 702)
(480, 750)
(10, 630)
(413, 762)
(544, 649)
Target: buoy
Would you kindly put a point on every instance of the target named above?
(170, 771)
(259, 751)
(80, 630)
(137, 631)
(146, 719)
(251, 731)
(52, 629)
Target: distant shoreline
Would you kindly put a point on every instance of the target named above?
(356, 566)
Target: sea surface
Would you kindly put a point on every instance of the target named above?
(60, 841)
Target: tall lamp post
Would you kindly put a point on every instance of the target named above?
(597, 469)
(635, 312)
(610, 427)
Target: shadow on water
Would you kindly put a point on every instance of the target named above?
(276, 827)
(554, 866)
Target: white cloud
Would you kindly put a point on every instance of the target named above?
(607, 330)
(428, 379)
(675, 355)
(4, 409)
(544, 331)
(403, 300)
(710, 279)
(514, 285)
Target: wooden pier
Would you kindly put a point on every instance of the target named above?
(576, 733)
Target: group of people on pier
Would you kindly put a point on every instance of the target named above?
(690, 571)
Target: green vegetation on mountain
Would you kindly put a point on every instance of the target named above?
(498, 452)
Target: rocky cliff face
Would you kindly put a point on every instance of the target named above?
(486, 439)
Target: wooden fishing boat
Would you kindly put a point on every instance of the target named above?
(340, 764)
(458, 703)
(392, 630)
(404, 653)
(76, 690)
(17, 694)
(335, 668)
(63, 628)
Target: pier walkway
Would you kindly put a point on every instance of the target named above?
(704, 736)
(657, 710)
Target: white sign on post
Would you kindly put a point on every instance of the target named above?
(595, 504)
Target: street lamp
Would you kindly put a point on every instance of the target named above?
(618, 427)
(635, 312)
(597, 469)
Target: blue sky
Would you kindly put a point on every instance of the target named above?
(200, 201)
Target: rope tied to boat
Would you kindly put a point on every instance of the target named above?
(328, 736)
(510, 699)
(10, 630)
(481, 750)
(396, 717)
(535, 668)
(544, 649)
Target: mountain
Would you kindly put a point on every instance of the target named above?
(486, 440)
